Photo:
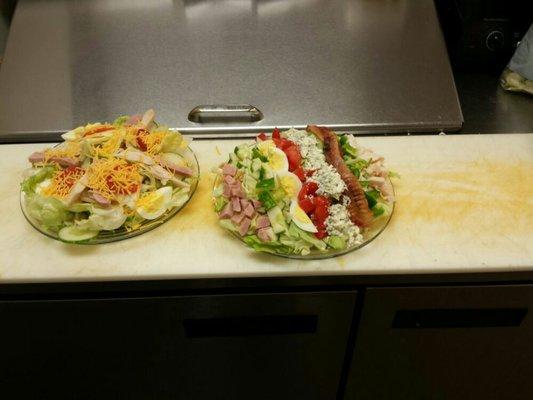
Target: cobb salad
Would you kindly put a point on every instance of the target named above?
(299, 192)
(109, 177)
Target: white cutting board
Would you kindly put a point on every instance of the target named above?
(464, 203)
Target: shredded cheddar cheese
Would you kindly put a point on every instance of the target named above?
(66, 150)
(63, 181)
(113, 177)
(153, 142)
(109, 147)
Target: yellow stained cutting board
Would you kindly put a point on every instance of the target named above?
(464, 203)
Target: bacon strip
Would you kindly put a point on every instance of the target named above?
(358, 209)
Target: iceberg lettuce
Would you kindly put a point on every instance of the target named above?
(50, 212)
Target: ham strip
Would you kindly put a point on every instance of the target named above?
(178, 169)
(64, 162)
(358, 209)
(95, 197)
(36, 157)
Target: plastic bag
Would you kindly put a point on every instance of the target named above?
(518, 75)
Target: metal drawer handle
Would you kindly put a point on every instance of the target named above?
(250, 326)
(459, 318)
(225, 113)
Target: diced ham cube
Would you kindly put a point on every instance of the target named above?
(229, 169)
(237, 218)
(244, 203)
(263, 235)
(244, 226)
(237, 191)
(230, 180)
(227, 212)
(227, 191)
(249, 211)
(236, 204)
(262, 222)
(256, 203)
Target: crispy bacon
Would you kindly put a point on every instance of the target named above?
(358, 209)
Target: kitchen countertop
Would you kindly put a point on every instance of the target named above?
(464, 204)
(487, 108)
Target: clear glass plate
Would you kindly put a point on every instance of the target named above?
(122, 233)
(369, 234)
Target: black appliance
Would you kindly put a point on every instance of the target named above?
(483, 34)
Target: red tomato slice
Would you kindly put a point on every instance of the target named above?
(308, 188)
(140, 139)
(321, 211)
(300, 173)
(307, 204)
(321, 234)
(275, 134)
(294, 157)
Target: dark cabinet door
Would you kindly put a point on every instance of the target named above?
(444, 343)
(258, 346)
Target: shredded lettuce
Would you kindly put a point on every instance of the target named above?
(173, 143)
(347, 150)
(103, 219)
(269, 247)
(220, 203)
(121, 120)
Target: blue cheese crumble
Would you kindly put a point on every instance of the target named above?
(328, 179)
(338, 223)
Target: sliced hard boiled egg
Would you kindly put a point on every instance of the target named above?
(277, 160)
(266, 146)
(154, 204)
(41, 186)
(300, 218)
(290, 183)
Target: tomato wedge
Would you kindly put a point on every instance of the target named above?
(262, 136)
(275, 134)
(321, 212)
(321, 234)
(141, 142)
(308, 189)
(294, 157)
(307, 204)
(300, 173)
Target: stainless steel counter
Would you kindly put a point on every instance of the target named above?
(351, 64)
(487, 108)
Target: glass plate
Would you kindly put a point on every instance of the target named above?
(122, 233)
(369, 234)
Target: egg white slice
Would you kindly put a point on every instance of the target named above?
(290, 183)
(155, 204)
(300, 218)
